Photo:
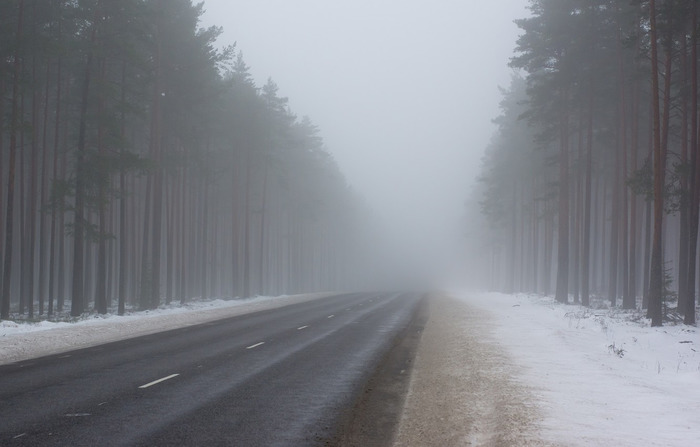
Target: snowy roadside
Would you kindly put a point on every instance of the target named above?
(22, 341)
(598, 376)
(464, 389)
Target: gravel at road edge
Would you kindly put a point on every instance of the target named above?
(464, 389)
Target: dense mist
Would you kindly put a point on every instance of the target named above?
(403, 93)
(164, 151)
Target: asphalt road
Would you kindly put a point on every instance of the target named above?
(286, 376)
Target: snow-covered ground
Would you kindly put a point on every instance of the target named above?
(21, 341)
(600, 377)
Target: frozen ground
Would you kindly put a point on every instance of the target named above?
(599, 377)
(492, 369)
(21, 341)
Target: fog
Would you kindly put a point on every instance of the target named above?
(403, 92)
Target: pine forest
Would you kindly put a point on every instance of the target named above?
(140, 164)
(593, 177)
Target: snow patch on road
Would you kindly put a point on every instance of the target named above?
(22, 340)
(601, 377)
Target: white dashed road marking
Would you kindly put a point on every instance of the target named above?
(155, 382)
(300, 328)
(256, 345)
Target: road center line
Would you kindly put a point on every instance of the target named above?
(155, 382)
(300, 328)
(256, 345)
(331, 316)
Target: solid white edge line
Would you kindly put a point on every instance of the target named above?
(256, 345)
(300, 328)
(155, 382)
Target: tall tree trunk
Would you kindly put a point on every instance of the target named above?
(631, 301)
(683, 221)
(624, 224)
(562, 294)
(171, 201)
(78, 299)
(146, 274)
(648, 211)
(656, 286)
(101, 287)
(14, 128)
(183, 238)
(512, 265)
(614, 231)
(61, 267)
(586, 258)
(235, 231)
(33, 186)
(261, 271)
(156, 142)
(53, 229)
(694, 180)
(123, 243)
(246, 236)
(56, 143)
(535, 238)
(205, 236)
(43, 236)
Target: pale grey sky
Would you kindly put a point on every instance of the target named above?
(403, 91)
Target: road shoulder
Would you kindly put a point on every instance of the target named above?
(464, 389)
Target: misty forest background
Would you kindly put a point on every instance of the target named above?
(141, 164)
(592, 181)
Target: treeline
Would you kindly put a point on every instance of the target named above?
(140, 164)
(593, 176)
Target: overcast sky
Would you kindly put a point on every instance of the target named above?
(403, 91)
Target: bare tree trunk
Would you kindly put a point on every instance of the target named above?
(686, 194)
(183, 240)
(623, 209)
(43, 236)
(631, 301)
(14, 128)
(78, 299)
(101, 287)
(156, 150)
(33, 187)
(510, 287)
(656, 274)
(61, 267)
(694, 180)
(205, 236)
(171, 204)
(261, 270)
(53, 231)
(614, 232)
(535, 238)
(586, 258)
(562, 294)
(246, 236)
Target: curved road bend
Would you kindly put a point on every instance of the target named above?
(285, 376)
